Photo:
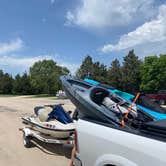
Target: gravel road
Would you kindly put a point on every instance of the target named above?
(12, 151)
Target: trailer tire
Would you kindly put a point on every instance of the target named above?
(27, 141)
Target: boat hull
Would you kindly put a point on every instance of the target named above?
(53, 132)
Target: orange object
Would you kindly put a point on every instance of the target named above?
(122, 123)
(129, 109)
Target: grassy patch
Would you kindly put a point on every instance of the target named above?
(32, 96)
(42, 96)
(8, 95)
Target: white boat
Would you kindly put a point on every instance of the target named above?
(53, 127)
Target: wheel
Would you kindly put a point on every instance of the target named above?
(75, 115)
(27, 141)
(161, 101)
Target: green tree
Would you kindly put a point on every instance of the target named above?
(22, 85)
(86, 68)
(114, 75)
(131, 72)
(16, 86)
(6, 83)
(153, 74)
(99, 72)
(93, 70)
(45, 75)
(1, 81)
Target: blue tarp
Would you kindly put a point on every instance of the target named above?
(60, 114)
(57, 113)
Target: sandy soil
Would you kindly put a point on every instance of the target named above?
(12, 151)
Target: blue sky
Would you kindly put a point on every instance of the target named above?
(67, 31)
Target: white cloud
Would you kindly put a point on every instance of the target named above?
(153, 31)
(21, 61)
(72, 67)
(10, 59)
(97, 14)
(24, 63)
(12, 46)
(151, 49)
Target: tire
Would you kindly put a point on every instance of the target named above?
(161, 101)
(27, 141)
(75, 115)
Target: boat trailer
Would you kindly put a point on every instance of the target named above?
(29, 135)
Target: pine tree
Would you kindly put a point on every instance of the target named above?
(114, 75)
(131, 73)
(86, 68)
(6, 83)
(99, 72)
(22, 85)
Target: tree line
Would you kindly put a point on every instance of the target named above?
(43, 78)
(133, 75)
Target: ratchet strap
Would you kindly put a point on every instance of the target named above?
(129, 109)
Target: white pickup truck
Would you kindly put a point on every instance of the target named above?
(101, 145)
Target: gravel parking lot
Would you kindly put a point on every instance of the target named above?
(12, 151)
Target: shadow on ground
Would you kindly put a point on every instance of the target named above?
(7, 109)
(53, 149)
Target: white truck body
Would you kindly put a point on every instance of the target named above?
(100, 145)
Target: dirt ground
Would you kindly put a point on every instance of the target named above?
(12, 151)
